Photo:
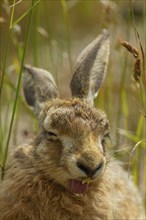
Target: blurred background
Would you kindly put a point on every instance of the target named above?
(50, 34)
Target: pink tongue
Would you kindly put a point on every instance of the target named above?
(77, 186)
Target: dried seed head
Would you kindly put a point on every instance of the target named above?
(137, 70)
(130, 48)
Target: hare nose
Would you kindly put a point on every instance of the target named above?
(87, 170)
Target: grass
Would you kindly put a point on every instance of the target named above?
(5, 151)
(47, 29)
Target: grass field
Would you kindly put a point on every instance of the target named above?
(50, 34)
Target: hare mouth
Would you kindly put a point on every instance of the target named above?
(79, 187)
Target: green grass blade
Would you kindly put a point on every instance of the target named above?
(36, 37)
(12, 14)
(140, 126)
(25, 13)
(17, 94)
(3, 73)
(66, 19)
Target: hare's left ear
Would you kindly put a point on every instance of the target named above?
(39, 87)
(90, 69)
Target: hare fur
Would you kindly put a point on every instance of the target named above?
(65, 172)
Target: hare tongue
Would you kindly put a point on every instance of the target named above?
(78, 187)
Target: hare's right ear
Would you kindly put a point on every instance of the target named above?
(90, 69)
(39, 86)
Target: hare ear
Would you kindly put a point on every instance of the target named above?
(90, 69)
(39, 86)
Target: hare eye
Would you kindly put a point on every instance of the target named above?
(50, 133)
(105, 137)
(51, 136)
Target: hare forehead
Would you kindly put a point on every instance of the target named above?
(64, 118)
(75, 119)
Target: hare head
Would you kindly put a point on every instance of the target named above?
(70, 146)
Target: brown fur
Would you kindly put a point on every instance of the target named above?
(36, 184)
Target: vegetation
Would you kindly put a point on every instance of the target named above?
(50, 34)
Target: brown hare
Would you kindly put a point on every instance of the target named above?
(64, 173)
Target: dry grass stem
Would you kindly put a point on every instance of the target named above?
(130, 48)
(137, 64)
(137, 70)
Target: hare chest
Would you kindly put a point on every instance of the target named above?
(63, 205)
